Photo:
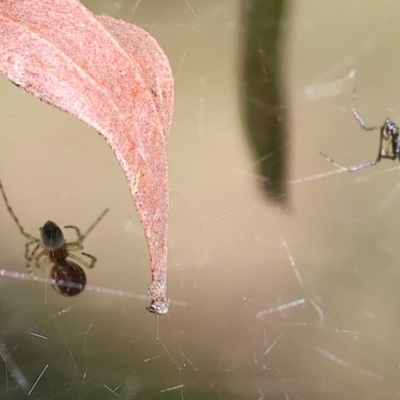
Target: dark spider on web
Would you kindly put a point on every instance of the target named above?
(66, 272)
(389, 142)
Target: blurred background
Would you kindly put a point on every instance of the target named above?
(270, 299)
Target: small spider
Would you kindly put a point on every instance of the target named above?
(389, 142)
(69, 278)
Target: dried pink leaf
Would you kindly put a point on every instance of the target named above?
(115, 77)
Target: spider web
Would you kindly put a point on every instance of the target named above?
(265, 304)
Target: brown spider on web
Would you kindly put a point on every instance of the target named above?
(66, 272)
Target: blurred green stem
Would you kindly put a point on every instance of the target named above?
(263, 92)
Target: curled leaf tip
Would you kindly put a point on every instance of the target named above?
(159, 302)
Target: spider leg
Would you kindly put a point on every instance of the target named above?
(29, 256)
(77, 231)
(38, 256)
(354, 168)
(378, 157)
(34, 255)
(28, 253)
(81, 238)
(14, 217)
(91, 227)
(359, 119)
(83, 262)
(367, 164)
(92, 258)
(71, 247)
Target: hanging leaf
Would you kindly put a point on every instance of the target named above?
(115, 77)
